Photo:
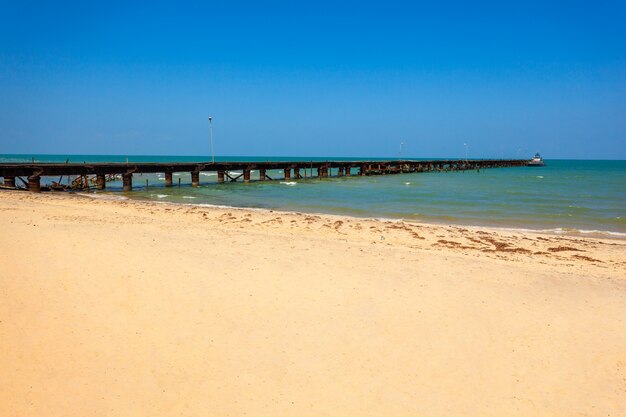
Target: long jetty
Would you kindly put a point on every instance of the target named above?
(290, 170)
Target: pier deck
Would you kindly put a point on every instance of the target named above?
(290, 170)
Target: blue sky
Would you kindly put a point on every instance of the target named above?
(314, 79)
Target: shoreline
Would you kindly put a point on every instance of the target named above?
(555, 231)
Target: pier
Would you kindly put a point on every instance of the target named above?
(98, 174)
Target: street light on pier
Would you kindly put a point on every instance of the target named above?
(211, 136)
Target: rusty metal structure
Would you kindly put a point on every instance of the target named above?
(95, 176)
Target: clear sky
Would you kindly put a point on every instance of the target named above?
(314, 78)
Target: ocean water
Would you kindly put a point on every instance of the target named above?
(566, 196)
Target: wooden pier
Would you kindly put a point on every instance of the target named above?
(30, 174)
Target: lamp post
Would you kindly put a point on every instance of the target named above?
(211, 136)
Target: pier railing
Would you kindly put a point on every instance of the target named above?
(33, 172)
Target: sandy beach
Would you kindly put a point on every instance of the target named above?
(125, 308)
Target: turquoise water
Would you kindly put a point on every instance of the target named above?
(569, 196)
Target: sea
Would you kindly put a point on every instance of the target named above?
(572, 197)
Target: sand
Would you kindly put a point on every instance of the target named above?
(119, 308)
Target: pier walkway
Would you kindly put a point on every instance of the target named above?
(33, 172)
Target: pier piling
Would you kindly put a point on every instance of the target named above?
(127, 181)
(195, 178)
(101, 181)
(168, 179)
(9, 181)
(34, 183)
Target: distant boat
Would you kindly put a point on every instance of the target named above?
(537, 161)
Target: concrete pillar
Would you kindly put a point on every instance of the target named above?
(9, 181)
(287, 173)
(262, 174)
(127, 180)
(340, 172)
(101, 182)
(220, 175)
(347, 171)
(168, 179)
(296, 173)
(246, 175)
(195, 178)
(34, 184)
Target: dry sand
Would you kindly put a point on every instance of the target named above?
(127, 309)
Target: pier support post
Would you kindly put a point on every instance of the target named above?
(246, 175)
(9, 181)
(287, 173)
(220, 175)
(34, 184)
(262, 174)
(195, 178)
(347, 171)
(168, 179)
(340, 172)
(296, 173)
(127, 181)
(101, 182)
